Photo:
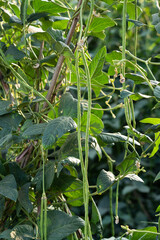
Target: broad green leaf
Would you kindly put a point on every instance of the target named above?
(145, 235)
(100, 23)
(105, 180)
(114, 55)
(15, 21)
(48, 7)
(157, 177)
(8, 187)
(96, 124)
(156, 21)
(128, 165)
(70, 147)
(19, 174)
(56, 35)
(96, 220)
(48, 176)
(157, 143)
(5, 140)
(136, 23)
(69, 161)
(157, 92)
(23, 197)
(137, 78)
(24, 6)
(154, 128)
(49, 60)
(15, 53)
(34, 131)
(151, 120)
(133, 96)
(134, 177)
(74, 193)
(158, 209)
(114, 138)
(63, 223)
(98, 113)
(130, 7)
(56, 129)
(35, 16)
(5, 107)
(23, 232)
(141, 137)
(61, 183)
(10, 121)
(100, 35)
(68, 106)
(64, 49)
(155, 18)
(60, 25)
(15, 9)
(97, 63)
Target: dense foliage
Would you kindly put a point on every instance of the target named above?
(79, 119)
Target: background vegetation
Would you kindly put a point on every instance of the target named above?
(79, 119)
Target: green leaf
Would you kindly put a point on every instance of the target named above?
(114, 55)
(157, 92)
(63, 223)
(56, 129)
(114, 138)
(157, 177)
(154, 128)
(128, 165)
(101, 35)
(8, 187)
(145, 235)
(15, 53)
(56, 35)
(137, 78)
(24, 6)
(35, 16)
(155, 18)
(64, 50)
(48, 176)
(4, 141)
(97, 63)
(11, 121)
(157, 143)
(48, 7)
(68, 106)
(69, 161)
(23, 232)
(19, 174)
(98, 113)
(105, 180)
(61, 183)
(74, 193)
(136, 23)
(23, 197)
(100, 23)
(130, 7)
(34, 131)
(134, 177)
(70, 147)
(96, 216)
(158, 209)
(96, 124)
(151, 120)
(5, 107)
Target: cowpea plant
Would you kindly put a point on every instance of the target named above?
(51, 116)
